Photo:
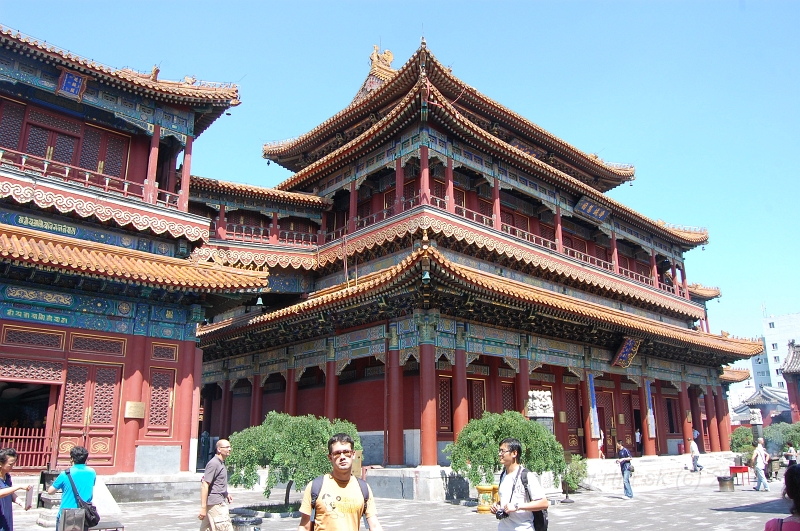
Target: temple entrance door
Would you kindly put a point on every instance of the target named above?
(601, 419)
(91, 404)
(476, 391)
(574, 426)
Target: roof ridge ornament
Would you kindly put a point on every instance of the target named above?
(381, 63)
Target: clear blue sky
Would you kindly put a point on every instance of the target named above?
(703, 97)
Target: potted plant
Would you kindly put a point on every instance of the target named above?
(474, 453)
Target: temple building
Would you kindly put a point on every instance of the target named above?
(99, 298)
(435, 255)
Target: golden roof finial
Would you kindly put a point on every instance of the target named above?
(381, 63)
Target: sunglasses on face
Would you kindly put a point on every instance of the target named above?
(346, 453)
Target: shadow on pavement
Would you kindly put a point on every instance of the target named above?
(771, 506)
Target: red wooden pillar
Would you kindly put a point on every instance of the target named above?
(706, 322)
(449, 191)
(198, 383)
(186, 174)
(592, 451)
(227, 409)
(394, 392)
(424, 176)
(50, 420)
(274, 229)
(321, 231)
(713, 425)
(290, 397)
(522, 385)
(686, 412)
(460, 403)
(135, 362)
(685, 282)
(622, 427)
(331, 390)
(614, 252)
(399, 184)
(351, 213)
(427, 395)
(675, 279)
(697, 420)
(256, 401)
(653, 267)
(222, 224)
(494, 402)
(645, 402)
(183, 399)
(724, 420)
(560, 406)
(661, 427)
(559, 237)
(150, 185)
(173, 162)
(496, 204)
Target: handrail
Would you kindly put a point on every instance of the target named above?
(374, 218)
(528, 237)
(31, 164)
(336, 234)
(296, 238)
(589, 259)
(474, 216)
(636, 276)
(246, 233)
(438, 202)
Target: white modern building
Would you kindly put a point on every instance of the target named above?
(779, 331)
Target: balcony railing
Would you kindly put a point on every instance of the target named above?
(335, 235)
(583, 257)
(38, 166)
(528, 237)
(374, 218)
(291, 237)
(32, 446)
(637, 277)
(246, 233)
(474, 216)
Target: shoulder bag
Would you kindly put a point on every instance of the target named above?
(90, 515)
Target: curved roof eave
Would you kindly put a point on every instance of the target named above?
(246, 190)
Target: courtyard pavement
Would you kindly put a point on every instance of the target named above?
(694, 501)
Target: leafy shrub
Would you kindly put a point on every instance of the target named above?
(294, 448)
(742, 440)
(474, 453)
(576, 472)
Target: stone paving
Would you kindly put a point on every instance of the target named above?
(694, 501)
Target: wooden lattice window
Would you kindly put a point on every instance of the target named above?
(19, 369)
(159, 416)
(521, 222)
(438, 189)
(388, 199)
(410, 189)
(459, 196)
(624, 262)
(445, 405)
(13, 115)
(98, 345)
(573, 242)
(506, 218)
(601, 253)
(507, 395)
(104, 152)
(485, 208)
(247, 218)
(165, 352)
(643, 269)
(26, 337)
(547, 232)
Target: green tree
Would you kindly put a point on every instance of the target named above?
(294, 448)
(742, 440)
(474, 453)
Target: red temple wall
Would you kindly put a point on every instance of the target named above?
(240, 413)
(139, 156)
(273, 402)
(365, 412)
(411, 410)
(311, 401)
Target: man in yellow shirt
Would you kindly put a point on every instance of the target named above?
(340, 501)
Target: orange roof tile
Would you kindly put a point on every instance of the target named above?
(188, 89)
(733, 375)
(698, 291)
(509, 291)
(247, 190)
(37, 249)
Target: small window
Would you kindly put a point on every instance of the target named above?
(780, 384)
(776, 358)
(778, 372)
(774, 346)
(772, 325)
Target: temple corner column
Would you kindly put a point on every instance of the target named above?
(460, 401)
(713, 425)
(498, 224)
(686, 414)
(648, 418)
(185, 397)
(424, 176)
(724, 420)
(394, 393)
(132, 392)
(587, 398)
(428, 437)
(186, 175)
(449, 187)
(559, 234)
(256, 401)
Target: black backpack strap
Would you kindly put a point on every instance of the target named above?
(524, 478)
(316, 486)
(74, 488)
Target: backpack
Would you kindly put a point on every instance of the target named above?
(540, 520)
(316, 486)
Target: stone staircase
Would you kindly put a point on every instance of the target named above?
(660, 472)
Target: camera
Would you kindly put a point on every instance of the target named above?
(500, 514)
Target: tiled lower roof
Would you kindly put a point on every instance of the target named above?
(31, 247)
(509, 291)
(733, 375)
(791, 365)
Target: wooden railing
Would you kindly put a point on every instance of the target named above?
(34, 165)
(335, 235)
(33, 448)
(528, 237)
(296, 238)
(474, 216)
(589, 259)
(246, 233)
(636, 276)
(374, 218)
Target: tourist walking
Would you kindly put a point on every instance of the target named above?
(791, 490)
(759, 462)
(520, 492)
(624, 462)
(638, 436)
(214, 497)
(791, 454)
(8, 492)
(338, 500)
(600, 443)
(83, 476)
(695, 453)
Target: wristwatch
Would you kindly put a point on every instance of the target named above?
(516, 507)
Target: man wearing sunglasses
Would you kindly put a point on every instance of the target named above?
(340, 500)
(214, 497)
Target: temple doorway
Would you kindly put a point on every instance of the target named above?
(23, 421)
